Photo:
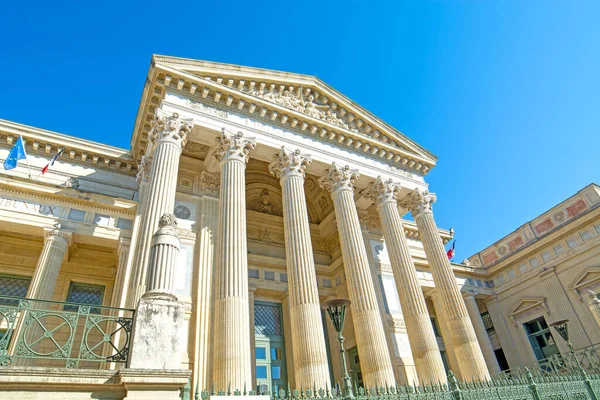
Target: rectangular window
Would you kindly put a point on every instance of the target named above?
(572, 242)
(82, 294)
(275, 372)
(261, 372)
(124, 223)
(479, 282)
(261, 353)
(283, 277)
(338, 280)
(470, 281)
(559, 249)
(269, 275)
(541, 338)
(435, 328)
(76, 215)
(102, 220)
(597, 228)
(546, 255)
(511, 273)
(487, 321)
(500, 279)
(585, 235)
(534, 262)
(489, 284)
(252, 273)
(13, 286)
(522, 268)
(326, 283)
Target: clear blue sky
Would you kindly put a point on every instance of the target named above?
(507, 95)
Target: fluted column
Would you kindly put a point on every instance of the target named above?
(163, 255)
(441, 317)
(232, 362)
(482, 336)
(469, 356)
(594, 305)
(423, 344)
(168, 137)
(310, 354)
(43, 282)
(370, 336)
(119, 290)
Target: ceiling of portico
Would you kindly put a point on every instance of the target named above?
(301, 103)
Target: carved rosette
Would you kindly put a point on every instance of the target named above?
(418, 202)
(169, 127)
(382, 191)
(338, 178)
(233, 147)
(167, 221)
(289, 163)
(210, 182)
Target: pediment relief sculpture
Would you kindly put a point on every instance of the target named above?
(264, 204)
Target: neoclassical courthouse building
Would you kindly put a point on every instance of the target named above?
(286, 194)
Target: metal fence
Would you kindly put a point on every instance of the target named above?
(54, 334)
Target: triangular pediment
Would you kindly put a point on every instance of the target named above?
(527, 305)
(588, 279)
(302, 102)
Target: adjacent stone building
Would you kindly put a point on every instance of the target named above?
(286, 194)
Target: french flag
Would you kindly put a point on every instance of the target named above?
(51, 163)
(450, 252)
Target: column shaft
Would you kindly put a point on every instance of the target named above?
(482, 336)
(374, 355)
(232, 356)
(504, 335)
(170, 135)
(204, 292)
(464, 340)
(442, 321)
(423, 344)
(310, 354)
(44, 278)
(163, 255)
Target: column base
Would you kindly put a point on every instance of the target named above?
(155, 342)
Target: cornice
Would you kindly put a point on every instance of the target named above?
(60, 195)
(226, 95)
(79, 151)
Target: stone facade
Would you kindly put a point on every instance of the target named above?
(285, 194)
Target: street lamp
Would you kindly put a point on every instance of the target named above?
(337, 312)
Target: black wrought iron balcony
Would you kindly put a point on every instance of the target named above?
(55, 334)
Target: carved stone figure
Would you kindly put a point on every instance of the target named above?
(72, 182)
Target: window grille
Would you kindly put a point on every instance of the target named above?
(85, 294)
(267, 320)
(13, 286)
(487, 321)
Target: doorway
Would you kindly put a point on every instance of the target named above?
(271, 374)
(355, 372)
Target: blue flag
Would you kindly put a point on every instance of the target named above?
(16, 153)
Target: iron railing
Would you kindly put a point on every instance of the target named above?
(55, 334)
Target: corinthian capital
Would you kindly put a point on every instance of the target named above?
(418, 202)
(169, 127)
(233, 147)
(289, 163)
(382, 191)
(336, 178)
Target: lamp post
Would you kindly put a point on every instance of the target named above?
(337, 312)
(562, 328)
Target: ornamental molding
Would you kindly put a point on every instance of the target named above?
(210, 182)
(528, 307)
(301, 102)
(233, 146)
(382, 191)
(587, 281)
(418, 202)
(338, 178)
(56, 231)
(289, 163)
(79, 151)
(169, 127)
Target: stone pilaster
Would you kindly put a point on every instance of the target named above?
(503, 332)
(119, 290)
(469, 356)
(204, 313)
(168, 137)
(594, 305)
(442, 322)
(159, 318)
(232, 356)
(310, 354)
(370, 336)
(482, 336)
(562, 304)
(43, 282)
(423, 344)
